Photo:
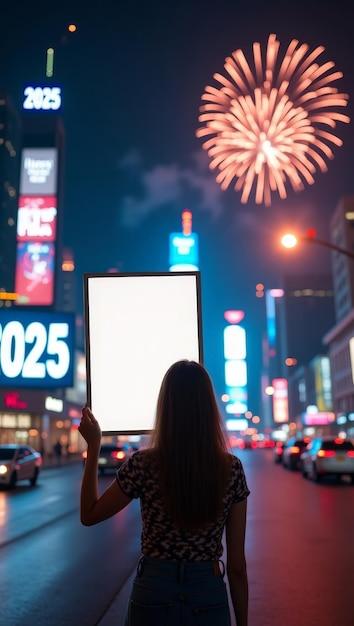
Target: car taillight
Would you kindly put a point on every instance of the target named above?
(118, 454)
(84, 454)
(294, 450)
(350, 453)
(326, 454)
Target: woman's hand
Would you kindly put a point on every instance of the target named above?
(90, 428)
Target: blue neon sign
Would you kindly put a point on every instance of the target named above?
(184, 250)
(36, 349)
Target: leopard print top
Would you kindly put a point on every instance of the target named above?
(160, 536)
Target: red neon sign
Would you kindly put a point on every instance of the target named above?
(12, 400)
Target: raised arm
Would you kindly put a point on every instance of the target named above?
(95, 508)
(236, 561)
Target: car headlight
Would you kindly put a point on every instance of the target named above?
(3, 469)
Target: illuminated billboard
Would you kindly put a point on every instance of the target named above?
(36, 227)
(239, 424)
(183, 251)
(36, 349)
(37, 218)
(280, 400)
(184, 247)
(42, 98)
(321, 418)
(39, 171)
(34, 279)
(235, 353)
(137, 326)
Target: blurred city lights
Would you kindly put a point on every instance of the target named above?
(50, 63)
(289, 240)
(248, 414)
(290, 361)
(311, 233)
(68, 266)
(256, 419)
(225, 397)
(259, 290)
(269, 391)
(72, 28)
(8, 295)
(276, 293)
(234, 317)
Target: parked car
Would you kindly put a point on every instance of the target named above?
(278, 451)
(328, 456)
(292, 451)
(18, 462)
(111, 456)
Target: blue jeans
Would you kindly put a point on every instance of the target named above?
(178, 593)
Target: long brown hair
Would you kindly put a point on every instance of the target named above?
(190, 446)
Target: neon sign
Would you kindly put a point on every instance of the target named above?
(184, 247)
(235, 352)
(280, 400)
(42, 98)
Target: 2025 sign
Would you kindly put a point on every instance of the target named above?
(36, 349)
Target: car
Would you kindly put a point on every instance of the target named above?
(111, 456)
(328, 456)
(278, 451)
(18, 462)
(292, 451)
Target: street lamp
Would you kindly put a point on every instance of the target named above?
(290, 240)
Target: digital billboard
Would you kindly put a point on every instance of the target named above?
(37, 218)
(137, 326)
(235, 354)
(42, 98)
(280, 400)
(183, 251)
(36, 349)
(34, 279)
(39, 171)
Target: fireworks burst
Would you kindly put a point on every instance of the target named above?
(270, 127)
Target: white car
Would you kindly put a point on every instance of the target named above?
(18, 462)
(326, 456)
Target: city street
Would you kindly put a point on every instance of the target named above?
(55, 572)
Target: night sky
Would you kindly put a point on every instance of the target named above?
(132, 77)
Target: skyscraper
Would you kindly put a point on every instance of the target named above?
(342, 235)
(9, 175)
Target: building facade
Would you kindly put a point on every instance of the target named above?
(340, 338)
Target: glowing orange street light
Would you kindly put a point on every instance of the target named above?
(289, 240)
(72, 28)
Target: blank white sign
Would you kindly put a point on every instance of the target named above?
(137, 326)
